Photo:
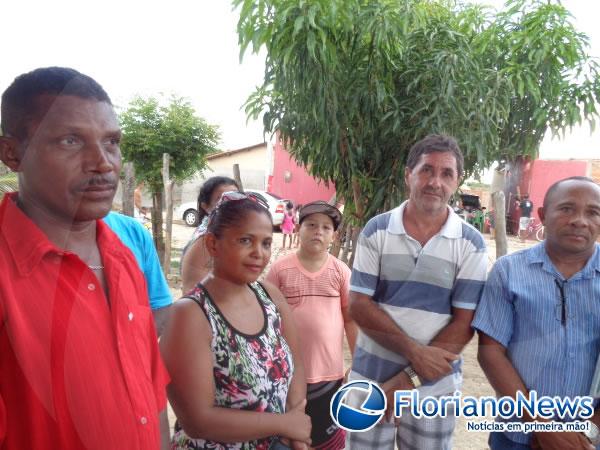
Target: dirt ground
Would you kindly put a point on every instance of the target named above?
(475, 382)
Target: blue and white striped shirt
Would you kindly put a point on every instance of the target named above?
(521, 308)
(417, 286)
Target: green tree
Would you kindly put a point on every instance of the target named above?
(151, 128)
(350, 85)
(554, 82)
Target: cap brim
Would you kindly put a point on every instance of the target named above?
(329, 210)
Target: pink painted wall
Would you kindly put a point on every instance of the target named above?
(301, 188)
(540, 174)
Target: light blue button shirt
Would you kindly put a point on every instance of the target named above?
(554, 349)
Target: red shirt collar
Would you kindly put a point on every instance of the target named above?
(28, 244)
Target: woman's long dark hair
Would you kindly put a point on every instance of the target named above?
(206, 192)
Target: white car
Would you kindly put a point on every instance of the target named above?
(189, 214)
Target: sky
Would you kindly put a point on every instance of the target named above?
(188, 48)
(183, 47)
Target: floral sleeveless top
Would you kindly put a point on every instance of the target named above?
(251, 372)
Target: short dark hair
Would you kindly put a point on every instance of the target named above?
(19, 100)
(555, 186)
(436, 143)
(233, 213)
(207, 189)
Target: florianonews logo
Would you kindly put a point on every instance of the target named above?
(358, 406)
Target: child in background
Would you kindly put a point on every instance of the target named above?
(144, 219)
(287, 226)
(231, 344)
(297, 224)
(316, 286)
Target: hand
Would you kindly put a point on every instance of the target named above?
(562, 441)
(432, 363)
(295, 445)
(399, 382)
(297, 424)
(346, 375)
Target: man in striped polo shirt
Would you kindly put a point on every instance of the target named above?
(539, 319)
(418, 274)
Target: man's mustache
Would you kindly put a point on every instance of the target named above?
(105, 181)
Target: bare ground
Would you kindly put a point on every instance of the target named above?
(475, 382)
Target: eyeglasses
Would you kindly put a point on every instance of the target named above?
(232, 196)
(237, 195)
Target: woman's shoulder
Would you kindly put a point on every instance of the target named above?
(268, 291)
(191, 311)
(197, 295)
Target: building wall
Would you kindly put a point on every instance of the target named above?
(594, 170)
(541, 174)
(253, 170)
(254, 159)
(293, 182)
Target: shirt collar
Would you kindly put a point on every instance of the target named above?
(28, 244)
(538, 255)
(451, 229)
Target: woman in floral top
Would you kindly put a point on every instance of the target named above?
(230, 345)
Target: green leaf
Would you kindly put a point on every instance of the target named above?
(351, 85)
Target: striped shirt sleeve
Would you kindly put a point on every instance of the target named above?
(495, 313)
(472, 273)
(365, 271)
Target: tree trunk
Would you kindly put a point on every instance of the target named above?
(337, 242)
(355, 233)
(359, 205)
(157, 223)
(128, 189)
(347, 244)
(168, 192)
(237, 177)
(498, 201)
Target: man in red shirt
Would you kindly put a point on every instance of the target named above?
(79, 363)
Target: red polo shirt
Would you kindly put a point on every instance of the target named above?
(74, 372)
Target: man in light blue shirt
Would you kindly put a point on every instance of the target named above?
(139, 241)
(539, 316)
